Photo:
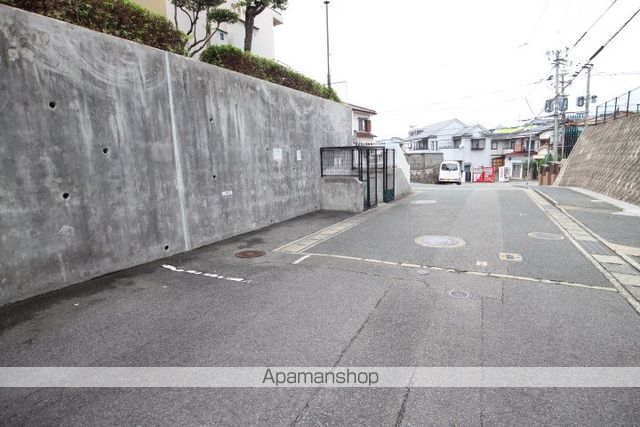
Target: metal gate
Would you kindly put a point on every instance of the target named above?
(389, 177)
(369, 164)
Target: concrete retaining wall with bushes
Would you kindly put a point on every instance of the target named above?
(114, 154)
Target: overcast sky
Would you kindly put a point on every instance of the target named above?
(417, 62)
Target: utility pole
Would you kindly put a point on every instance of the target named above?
(556, 65)
(562, 117)
(587, 100)
(558, 59)
(326, 4)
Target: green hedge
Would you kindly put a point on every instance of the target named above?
(121, 18)
(266, 69)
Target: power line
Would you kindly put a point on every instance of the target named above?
(418, 108)
(601, 48)
(593, 24)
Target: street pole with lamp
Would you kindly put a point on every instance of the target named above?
(326, 3)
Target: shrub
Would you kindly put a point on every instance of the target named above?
(120, 18)
(232, 58)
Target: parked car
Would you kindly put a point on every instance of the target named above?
(450, 172)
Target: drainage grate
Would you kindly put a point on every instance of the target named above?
(424, 202)
(440, 241)
(458, 294)
(546, 236)
(250, 254)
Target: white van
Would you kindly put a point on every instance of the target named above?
(450, 172)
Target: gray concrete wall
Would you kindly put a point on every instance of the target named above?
(342, 194)
(424, 166)
(158, 154)
(606, 159)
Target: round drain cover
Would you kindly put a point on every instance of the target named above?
(250, 254)
(546, 236)
(440, 241)
(459, 294)
(424, 202)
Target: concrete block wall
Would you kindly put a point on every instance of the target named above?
(342, 193)
(424, 166)
(113, 154)
(606, 159)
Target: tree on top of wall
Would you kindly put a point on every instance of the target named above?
(253, 8)
(197, 11)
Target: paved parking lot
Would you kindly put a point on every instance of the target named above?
(337, 289)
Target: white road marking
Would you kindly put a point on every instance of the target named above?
(471, 273)
(481, 263)
(200, 273)
(506, 256)
(299, 260)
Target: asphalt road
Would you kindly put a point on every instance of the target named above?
(343, 306)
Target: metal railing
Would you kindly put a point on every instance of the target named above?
(624, 105)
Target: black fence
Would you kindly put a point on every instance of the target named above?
(624, 105)
(571, 135)
(365, 163)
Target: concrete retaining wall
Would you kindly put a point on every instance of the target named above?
(606, 159)
(424, 166)
(114, 154)
(342, 194)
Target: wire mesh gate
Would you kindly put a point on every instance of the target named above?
(369, 164)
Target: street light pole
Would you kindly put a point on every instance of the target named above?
(326, 3)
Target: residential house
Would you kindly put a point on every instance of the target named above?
(433, 137)
(471, 148)
(510, 146)
(468, 145)
(233, 34)
(361, 124)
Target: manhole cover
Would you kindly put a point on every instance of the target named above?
(249, 254)
(459, 294)
(424, 202)
(440, 241)
(422, 271)
(545, 236)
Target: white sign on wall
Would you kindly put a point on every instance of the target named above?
(277, 154)
(298, 155)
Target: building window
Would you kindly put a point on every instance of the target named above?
(477, 144)
(222, 35)
(494, 145)
(364, 125)
(456, 143)
(434, 145)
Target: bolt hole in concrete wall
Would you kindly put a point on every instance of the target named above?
(65, 196)
(52, 105)
(211, 120)
(166, 247)
(215, 176)
(105, 150)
